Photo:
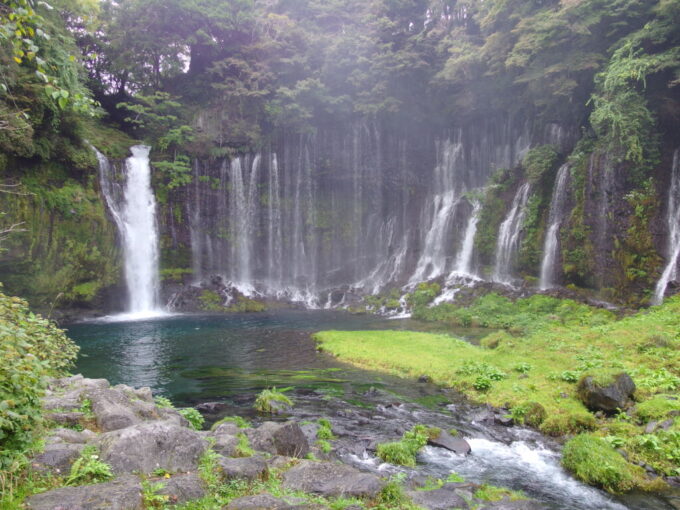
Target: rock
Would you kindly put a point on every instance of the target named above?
(666, 424)
(329, 479)
(112, 409)
(262, 501)
(57, 458)
(504, 420)
(225, 445)
(152, 445)
(124, 493)
(262, 438)
(289, 440)
(249, 468)
(610, 398)
(525, 504)
(438, 499)
(183, 488)
(424, 379)
(70, 419)
(279, 462)
(228, 428)
(454, 444)
(651, 427)
(71, 436)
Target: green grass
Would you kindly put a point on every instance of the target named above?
(266, 401)
(541, 368)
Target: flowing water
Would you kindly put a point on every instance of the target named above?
(670, 272)
(509, 235)
(228, 359)
(464, 259)
(133, 207)
(558, 205)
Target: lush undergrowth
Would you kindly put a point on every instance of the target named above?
(534, 375)
(32, 349)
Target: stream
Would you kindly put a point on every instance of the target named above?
(219, 363)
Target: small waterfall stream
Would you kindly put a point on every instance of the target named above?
(133, 207)
(464, 258)
(509, 236)
(670, 272)
(551, 245)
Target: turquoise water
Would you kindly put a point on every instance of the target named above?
(194, 358)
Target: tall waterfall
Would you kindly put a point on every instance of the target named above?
(509, 236)
(464, 258)
(133, 207)
(551, 244)
(449, 186)
(670, 272)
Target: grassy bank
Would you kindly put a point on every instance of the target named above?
(534, 375)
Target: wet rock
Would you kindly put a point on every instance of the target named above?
(454, 444)
(262, 438)
(249, 468)
(609, 398)
(329, 479)
(183, 488)
(289, 440)
(424, 379)
(124, 493)
(264, 501)
(438, 499)
(57, 458)
(210, 407)
(152, 445)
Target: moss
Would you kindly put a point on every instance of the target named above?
(656, 408)
(403, 452)
(211, 301)
(424, 294)
(568, 422)
(248, 305)
(595, 462)
(491, 493)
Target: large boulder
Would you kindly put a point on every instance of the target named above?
(262, 501)
(248, 468)
(183, 488)
(124, 493)
(279, 439)
(438, 499)
(455, 444)
(609, 397)
(330, 479)
(57, 458)
(148, 446)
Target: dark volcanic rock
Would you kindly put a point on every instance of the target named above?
(455, 444)
(262, 501)
(183, 488)
(124, 493)
(329, 479)
(57, 458)
(610, 398)
(151, 445)
(289, 440)
(438, 499)
(249, 468)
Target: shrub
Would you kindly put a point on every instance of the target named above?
(31, 349)
(592, 460)
(194, 418)
(403, 452)
(269, 400)
(325, 430)
(88, 468)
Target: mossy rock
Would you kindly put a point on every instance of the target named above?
(606, 391)
(574, 422)
(535, 414)
(656, 408)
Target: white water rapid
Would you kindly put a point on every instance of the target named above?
(133, 207)
(670, 272)
(509, 236)
(551, 244)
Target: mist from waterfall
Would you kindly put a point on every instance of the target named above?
(670, 272)
(558, 205)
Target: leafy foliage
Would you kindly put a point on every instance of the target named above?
(32, 349)
(269, 400)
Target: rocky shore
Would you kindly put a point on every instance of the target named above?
(156, 460)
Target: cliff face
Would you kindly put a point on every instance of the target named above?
(373, 206)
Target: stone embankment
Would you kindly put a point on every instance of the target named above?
(147, 445)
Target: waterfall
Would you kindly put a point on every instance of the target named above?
(550, 246)
(464, 258)
(274, 235)
(670, 272)
(509, 236)
(133, 208)
(449, 187)
(242, 218)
